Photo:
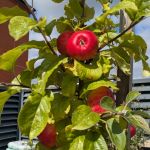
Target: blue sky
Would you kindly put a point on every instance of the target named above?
(51, 10)
(142, 29)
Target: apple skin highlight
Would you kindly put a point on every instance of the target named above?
(82, 45)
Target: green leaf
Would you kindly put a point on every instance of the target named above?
(34, 115)
(48, 61)
(77, 143)
(54, 64)
(146, 68)
(4, 96)
(76, 8)
(68, 12)
(39, 146)
(116, 133)
(69, 84)
(49, 27)
(75, 102)
(42, 23)
(122, 108)
(14, 54)
(97, 84)
(132, 95)
(107, 36)
(138, 121)
(64, 147)
(88, 12)
(83, 118)
(123, 123)
(63, 25)
(71, 134)
(30, 64)
(119, 6)
(106, 63)
(95, 141)
(57, 1)
(121, 59)
(141, 113)
(108, 103)
(138, 51)
(86, 72)
(7, 13)
(60, 107)
(26, 77)
(142, 11)
(20, 26)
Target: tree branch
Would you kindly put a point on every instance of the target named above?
(31, 10)
(123, 32)
(104, 116)
(10, 84)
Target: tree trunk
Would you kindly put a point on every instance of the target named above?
(125, 83)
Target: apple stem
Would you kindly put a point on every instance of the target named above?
(82, 42)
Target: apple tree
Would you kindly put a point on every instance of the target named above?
(72, 103)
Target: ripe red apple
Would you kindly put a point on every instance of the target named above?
(62, 41)
(132, 130)
(95, 97)
(82, 45)
(48, 136)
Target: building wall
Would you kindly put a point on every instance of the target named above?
(7, 43)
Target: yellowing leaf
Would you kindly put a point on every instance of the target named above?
(83, 118)
(7, 13)
(8, 59)
(34, 115)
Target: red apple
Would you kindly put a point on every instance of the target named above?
(82, 45)
(48, 136)
(132, 130)
(62, 41)
(95, 97)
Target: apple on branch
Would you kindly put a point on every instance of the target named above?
(132, 130)
(96, 96)
(80, 45)
(48, 136)
(62, 42)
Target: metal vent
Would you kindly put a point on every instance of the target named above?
(143, 102)
(8, 127)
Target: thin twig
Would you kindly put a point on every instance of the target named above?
(123, 32)
(104, 116)
(10, 84)
(31, 10)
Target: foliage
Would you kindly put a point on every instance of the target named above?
(78, 127)
(137, 142)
